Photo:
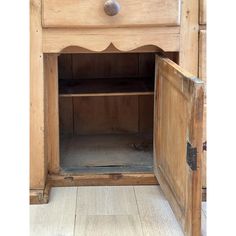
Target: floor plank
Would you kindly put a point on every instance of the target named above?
(156, 215)
(203, 225)
(107, 225)
(113, 200)
(57, 217)
(105, 211)
(204, 208)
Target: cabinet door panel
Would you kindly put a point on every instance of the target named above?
(178, 124)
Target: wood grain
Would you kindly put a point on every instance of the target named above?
(102, 200)
(117, 225)
(106, 86)
(178, 120)
(202, 55)
(111, 67)
(71, 13)
(51, 78)
(38, 160)
(107, 65)
(202, 59)
(203, 76)
(107, 153)
(146, 114)
(204, 159)
(65, 69)
(203, 11)
(66, 115)
(156, 215)
(188, 53)
(40, 196)
(65, 179)
(57, 217)
(113, 115)
(122, 39)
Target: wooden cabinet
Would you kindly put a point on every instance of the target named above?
(113, 100)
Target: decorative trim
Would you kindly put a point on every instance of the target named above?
(122, 40)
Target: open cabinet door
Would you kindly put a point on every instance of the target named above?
(178, 141)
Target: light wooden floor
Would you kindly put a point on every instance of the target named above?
(106, 211)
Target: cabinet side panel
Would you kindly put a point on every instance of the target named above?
(188, 56)
(202, 76)
(38, 166)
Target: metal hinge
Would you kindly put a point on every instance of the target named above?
(191, 156)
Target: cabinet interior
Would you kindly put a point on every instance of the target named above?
(106, 104)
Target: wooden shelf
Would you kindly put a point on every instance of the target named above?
(105, 87)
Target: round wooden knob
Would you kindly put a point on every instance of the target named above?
(111, 7)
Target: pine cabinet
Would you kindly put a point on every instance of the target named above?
(115, 99)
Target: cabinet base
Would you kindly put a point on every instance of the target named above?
(102, 179)
(40, 196)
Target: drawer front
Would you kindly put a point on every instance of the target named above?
(90, 13)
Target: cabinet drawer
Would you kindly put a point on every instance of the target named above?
(90, 13)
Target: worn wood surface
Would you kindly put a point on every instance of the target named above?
(40, 196)
(51, 78)
(188, 53)
(202, 55)
(111, 153)
(203, 11)
(113, 115)
(102, 179)
(178, 120)
(71, 13)
(203, 76)
(202, 58)
(122, 39)
(204, 159)
(38, 160)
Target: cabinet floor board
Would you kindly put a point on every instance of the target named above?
(107, 153)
